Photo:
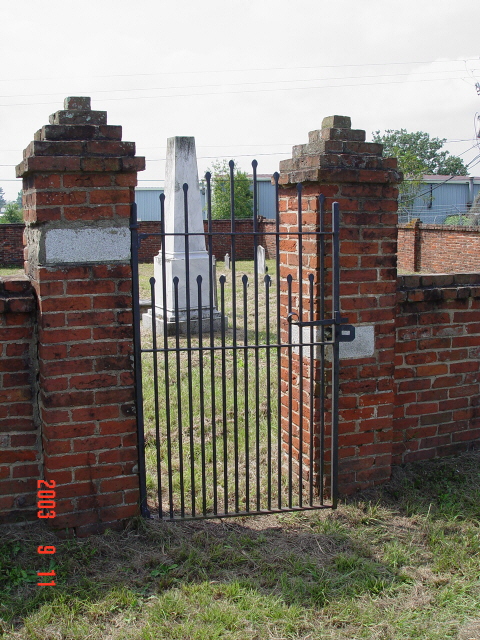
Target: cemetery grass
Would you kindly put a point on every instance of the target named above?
(400, 563)
(11, 271)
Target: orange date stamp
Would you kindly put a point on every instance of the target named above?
(46, 505)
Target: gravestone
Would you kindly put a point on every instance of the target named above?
(180, 306)
(227, 261)
(214, 279)
(261, 264)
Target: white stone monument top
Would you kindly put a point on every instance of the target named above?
(180, 169)
(182, 296)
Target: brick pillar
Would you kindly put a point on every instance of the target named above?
(338, 163)
(78, 184)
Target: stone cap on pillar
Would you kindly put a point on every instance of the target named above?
(78, 110)
(79, 139)
(339, 153)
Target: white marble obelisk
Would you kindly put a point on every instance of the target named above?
(181, 168)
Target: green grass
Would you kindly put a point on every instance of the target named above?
(11, 271)
(402, 563)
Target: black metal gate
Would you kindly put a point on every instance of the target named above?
(237, 385)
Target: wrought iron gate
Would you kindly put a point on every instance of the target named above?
(237, 403)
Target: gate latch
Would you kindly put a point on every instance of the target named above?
(346, 332)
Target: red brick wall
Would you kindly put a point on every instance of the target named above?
(437, 366)
(244, 245)
(20, 460)
(149, 245)
(438, 248)
(11, 245)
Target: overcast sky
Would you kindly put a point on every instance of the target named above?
(248, 79)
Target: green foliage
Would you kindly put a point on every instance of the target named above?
(243, 196)
(11, 573)
(19, 198)
(418, 154)
(463, 220)
(13, 213)
(3, 202)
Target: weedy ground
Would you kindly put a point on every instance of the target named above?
(11, 271)
(402, 562)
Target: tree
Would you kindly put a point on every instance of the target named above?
(3, 202)
(19, 198)
(13, 213)
(243, 196)
(417, 155)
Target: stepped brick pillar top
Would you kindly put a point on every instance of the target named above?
(78, 186)
(338, 163)
(338, 152)
(78, 180)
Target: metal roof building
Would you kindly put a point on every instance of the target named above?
(441, 197)
(148, 202)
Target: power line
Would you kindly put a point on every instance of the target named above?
(224, 93)
(238, 84)
(197, 72)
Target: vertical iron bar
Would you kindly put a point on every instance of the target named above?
(267, 281)
(179, 398)
(231, 164)
(336, 345)
(321, 203)
(213, 303)
(290, 395)
(189, 347)
(155, 397)
(300, 347)
(138, 362)
(257, 354)
(245, 384)
(202, 396)
(276, 176)
(224, 394)
(166, 357)
(312, 391)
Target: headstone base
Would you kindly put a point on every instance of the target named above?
(183, 324)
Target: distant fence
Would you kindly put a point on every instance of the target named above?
(436, 214)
